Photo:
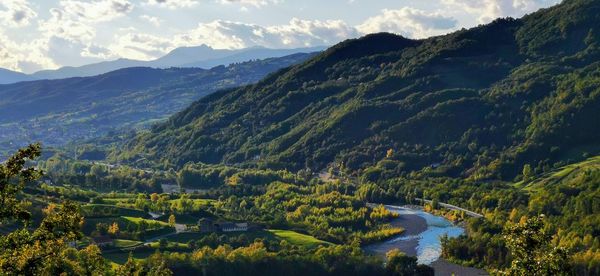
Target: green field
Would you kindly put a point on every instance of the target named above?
(105, 210)
(138, 220)
(182, 219)
(121, 257)
(292, 237)
(197, 201)
(126, 243)
(185, 237)
(172, 246)
(562, 174)
(299, 239)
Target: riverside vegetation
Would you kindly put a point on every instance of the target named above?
(501, 119)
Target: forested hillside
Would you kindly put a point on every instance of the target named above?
(55, 112)
(383, 155)
(569, 197)
(478, 103)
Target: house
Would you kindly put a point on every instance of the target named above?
(234, 227)
(103, 241)
(208, 225)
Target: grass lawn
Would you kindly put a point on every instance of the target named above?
(185, 237)
(138, 220)
(198, 201)
(559, 175)
(171, 246)
(126, 243)
(118, 200)
(288, 235)
(121, 257)
(298, 238)
(181, 219)
(106, 210)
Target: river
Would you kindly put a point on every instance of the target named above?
(422, 238)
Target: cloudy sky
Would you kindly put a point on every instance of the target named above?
(47, 34)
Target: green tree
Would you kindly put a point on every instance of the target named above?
(141, 201)
(45, 250)
(130, 268)
(527, 173)
(13, 177)
(401, 265)
(163, 202)
(435, 204)
(172, 220)
(91, 261)
(529, 245)
(102, 228)
(163, 243)
(184, 204)
(389, 153)
(159, 268)
(113, 229)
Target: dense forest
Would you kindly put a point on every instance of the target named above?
(481, 118)
(60, 241)
(476, 103)
(500, 120)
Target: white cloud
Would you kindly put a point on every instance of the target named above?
(409, 22)
(71, 37)
(23, 57)
(487, 10)
(16, 13)
(96, 11)
(68, 36)
(304, 33)
(171, 4)
(152, 20)
(60, 24)
(234, 35)
(76, 32)
(177, 4)
(297, 33)
(255, 3)
(98, 52)
(140, 46)
(312, 33)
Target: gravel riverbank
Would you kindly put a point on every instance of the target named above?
(414, 225)
(407, 241)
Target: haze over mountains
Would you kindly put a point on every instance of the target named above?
(55, 112)
(185, 57)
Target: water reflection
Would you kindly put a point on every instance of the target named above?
(429, 247)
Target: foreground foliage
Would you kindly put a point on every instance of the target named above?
(45, 250)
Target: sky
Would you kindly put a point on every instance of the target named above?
(48, 34)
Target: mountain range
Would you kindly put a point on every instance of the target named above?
(478, 103)
(184, 57)
(56, 112)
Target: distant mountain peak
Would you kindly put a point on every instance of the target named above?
(202, 56)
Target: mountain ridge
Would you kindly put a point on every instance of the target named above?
(58, 111)
(201, 56)
(474, 101)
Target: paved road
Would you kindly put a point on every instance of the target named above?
(452, 207)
